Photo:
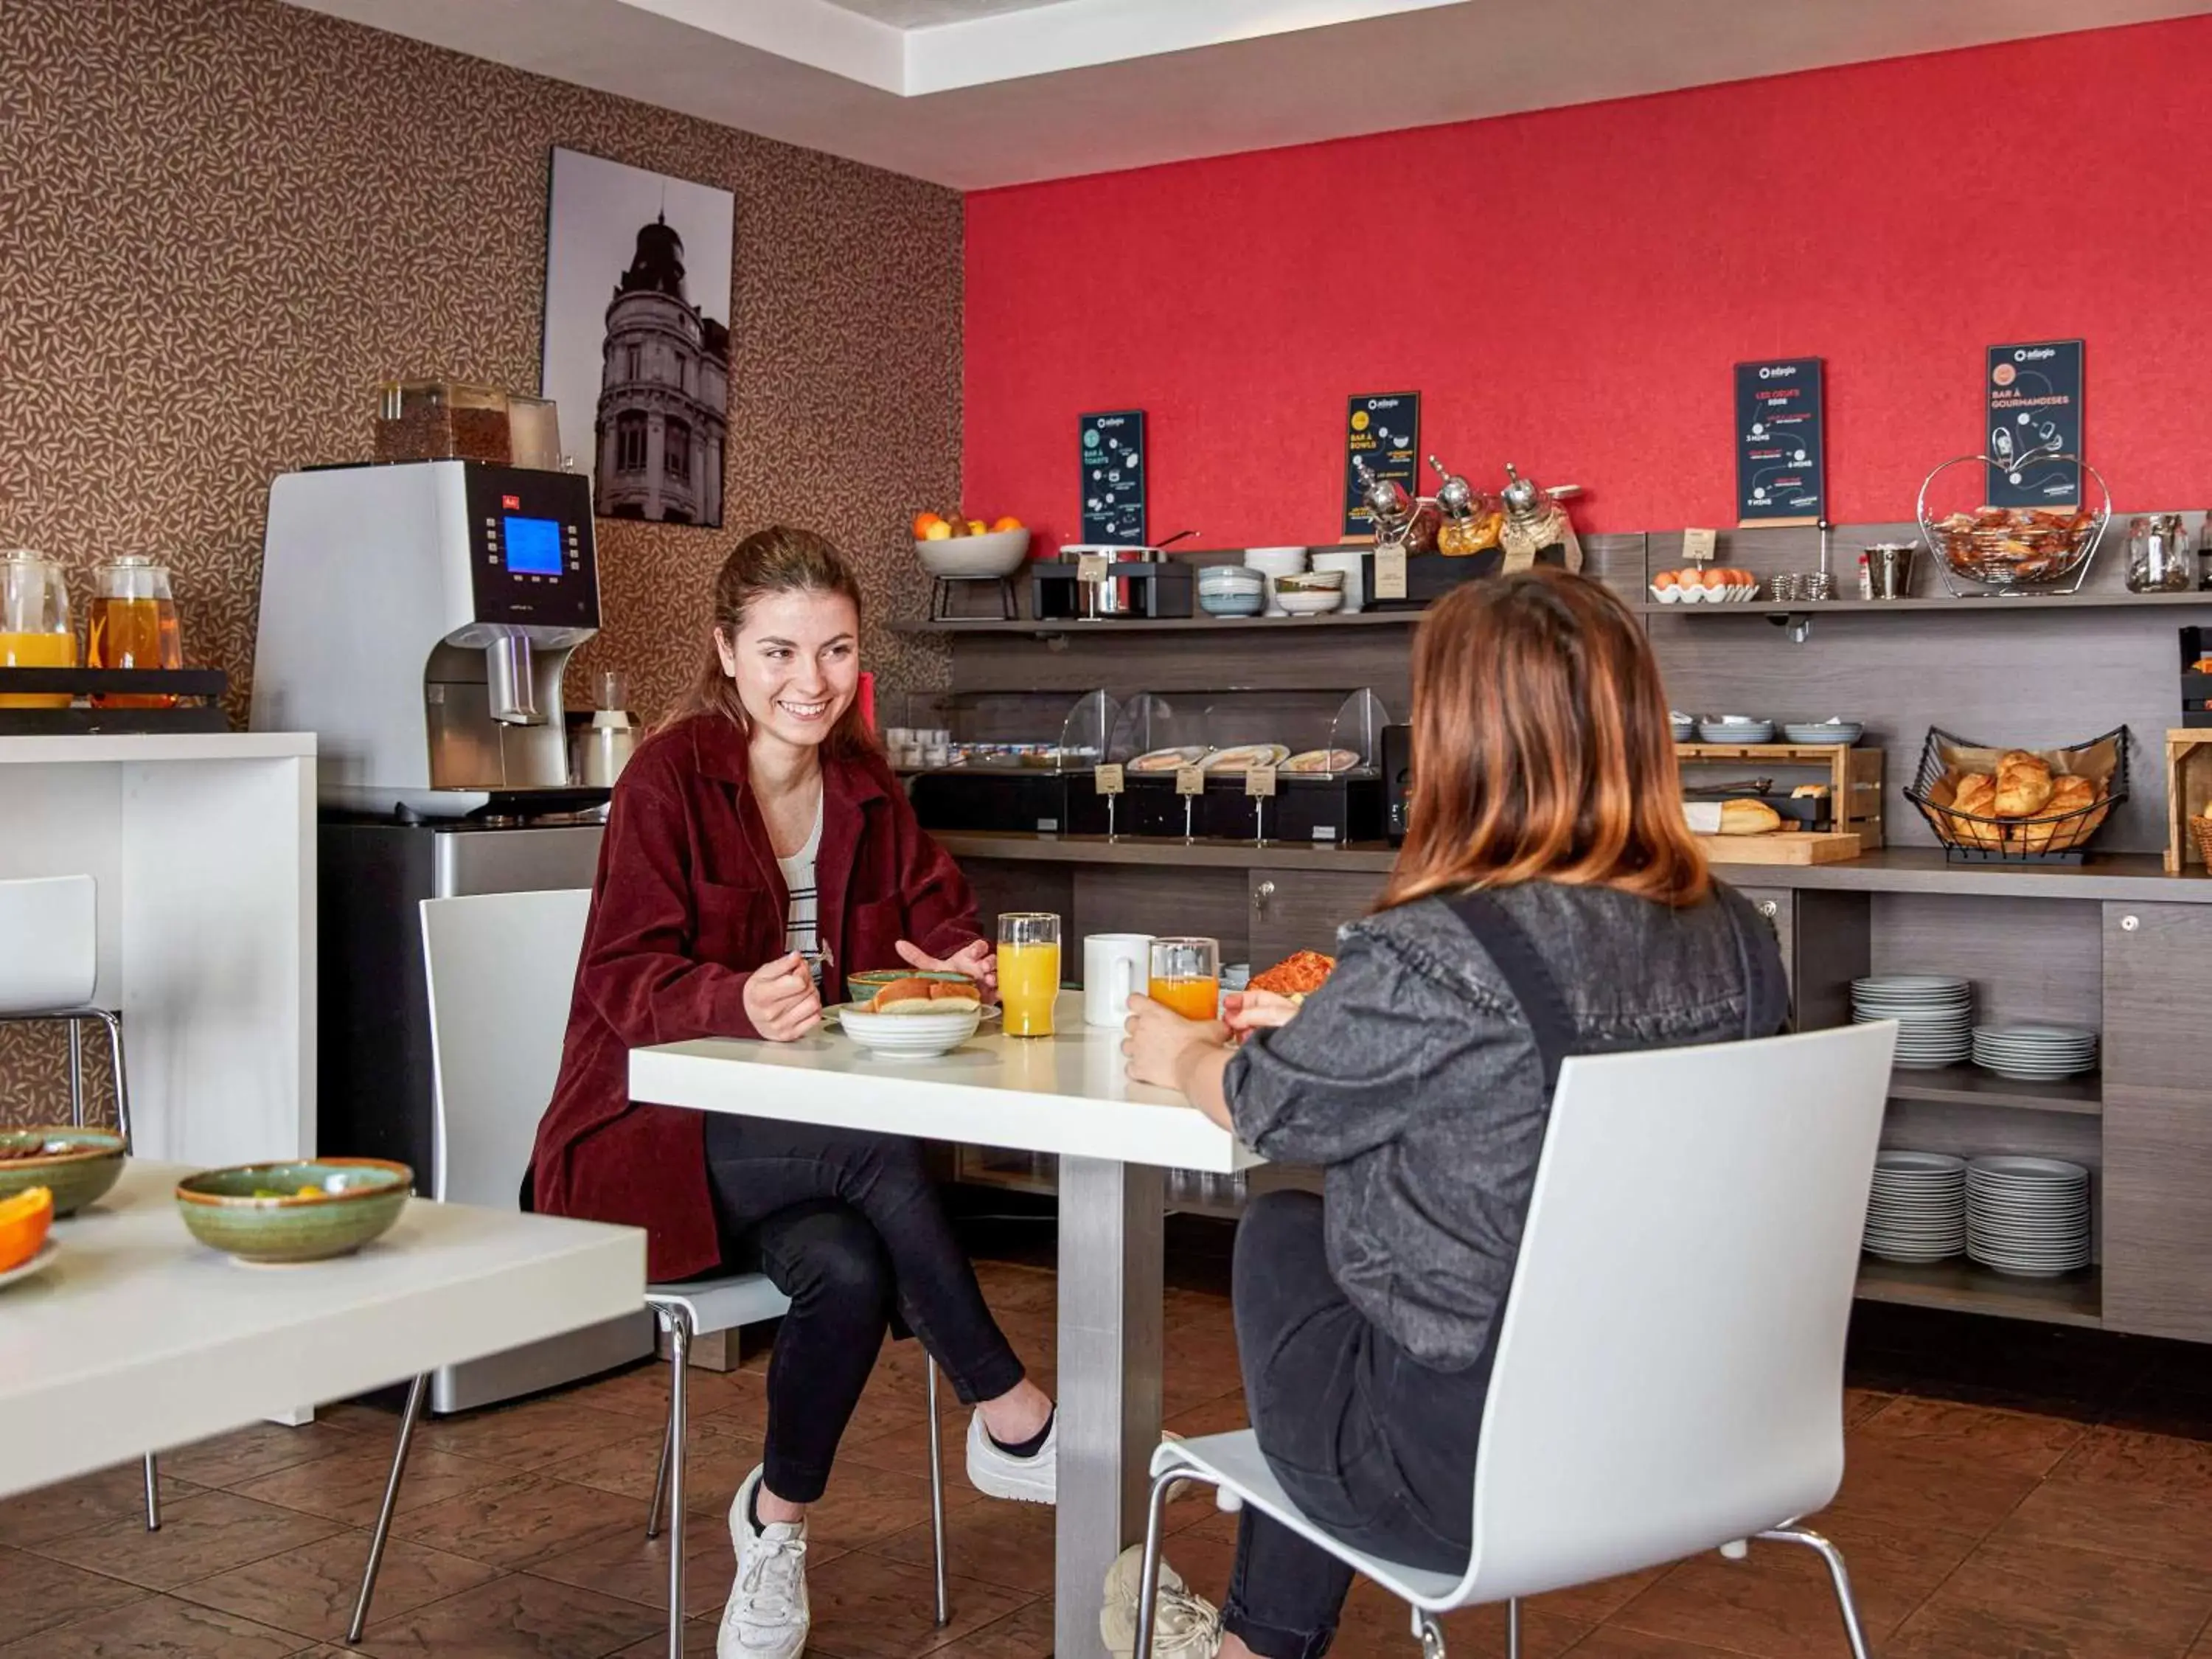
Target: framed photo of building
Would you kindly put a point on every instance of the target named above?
(638, 273)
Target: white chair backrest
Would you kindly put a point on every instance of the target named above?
(1669, 1373)
(501, 969)
(49, 943)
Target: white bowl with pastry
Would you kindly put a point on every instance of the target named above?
(913, 1018)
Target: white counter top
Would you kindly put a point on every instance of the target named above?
(138, 1339)
(115, 748)
(1064, 1094)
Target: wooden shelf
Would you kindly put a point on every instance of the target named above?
(2015, 604)
(1111, 625)
(1961, 1287)
(1969, 1085)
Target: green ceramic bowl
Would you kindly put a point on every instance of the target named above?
(869, 980)
(259, 1212)
(75, 1165)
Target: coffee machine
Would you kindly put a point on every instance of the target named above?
(419, 618)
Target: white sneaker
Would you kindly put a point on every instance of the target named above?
(767, 1616)
(1184, 1626)
(997, 1473)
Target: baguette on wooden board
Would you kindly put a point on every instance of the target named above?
(1748, 817)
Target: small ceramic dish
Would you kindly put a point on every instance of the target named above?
(302, 1209)
(869, 980)
(1840, 732)
(1235, 576)
(1308, 603)
(1736, 731)
(1241, 603)
(907, 1037)
(75, 1165)
(1311, 581)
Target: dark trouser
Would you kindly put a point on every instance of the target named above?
(849, 1227)
(1375, 1449)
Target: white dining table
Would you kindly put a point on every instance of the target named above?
(1068, 1095)
(137, 1339)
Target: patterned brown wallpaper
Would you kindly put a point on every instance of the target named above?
(223, 222)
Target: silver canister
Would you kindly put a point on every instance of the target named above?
(1888, 568)
(2159, 558)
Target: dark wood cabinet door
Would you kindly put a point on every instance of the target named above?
(1777, 907)
(1302, 909)
(2158, 1119)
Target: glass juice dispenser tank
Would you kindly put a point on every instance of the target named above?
(34, 621)
(133, 624)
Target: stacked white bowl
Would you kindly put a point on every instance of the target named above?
(1917, 1211)
(2035, 1053)
(1934, 1015)
(2028, 1216)
(1274, 561)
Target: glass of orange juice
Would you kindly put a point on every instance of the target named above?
(1028, 971)
(1186, 976)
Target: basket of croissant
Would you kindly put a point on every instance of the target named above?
(2011, 549)
(1991, 805)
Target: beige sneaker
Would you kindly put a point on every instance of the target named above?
(1184, 1626)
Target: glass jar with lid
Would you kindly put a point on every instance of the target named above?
(34, 623)
(2158, 557)
(133, 624)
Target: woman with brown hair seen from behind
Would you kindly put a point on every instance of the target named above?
(758, 847)
(1549, 900)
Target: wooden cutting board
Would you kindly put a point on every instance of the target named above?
(1783, 846)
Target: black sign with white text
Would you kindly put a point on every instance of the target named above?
(1781, 466)
(1384, 430)
(2035, 405)
(1112, 449)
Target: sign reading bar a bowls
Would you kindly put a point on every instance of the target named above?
(1781, 461)
(1384, 430)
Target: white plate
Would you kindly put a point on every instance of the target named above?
(2045, 1169)
(1160, 761)
(39, 1263)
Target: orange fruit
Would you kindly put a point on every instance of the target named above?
(921, 524)
(937, 530)
(1007, 523)
(24, 1220)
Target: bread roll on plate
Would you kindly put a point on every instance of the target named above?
(924, 996)
(1748, 817)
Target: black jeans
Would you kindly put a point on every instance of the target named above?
(848, 1226)
(1374, 1447)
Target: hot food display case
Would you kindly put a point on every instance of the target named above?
(1020, 761)
(1192, 756)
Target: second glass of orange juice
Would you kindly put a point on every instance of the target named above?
(1186, 976)
(1028, 971)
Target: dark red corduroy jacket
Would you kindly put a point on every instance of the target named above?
(687, 902)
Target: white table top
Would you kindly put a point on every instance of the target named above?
(138, 1339)
(114, 748)
(1067, 1093)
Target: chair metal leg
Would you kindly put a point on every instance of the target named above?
(113, 1018)
(153, 1494)
(76, 1072)
(679, 1371)
(937, 1503)
(1846, 1605)
(416, 1391)
(1432, 1638)
(1148, 1580)
(1513, 1627)
(661, 1478)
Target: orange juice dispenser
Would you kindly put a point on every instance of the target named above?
(133, 624)
(34, 623)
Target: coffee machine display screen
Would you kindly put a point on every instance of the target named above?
(534, 546)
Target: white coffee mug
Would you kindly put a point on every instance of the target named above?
(1115, 966)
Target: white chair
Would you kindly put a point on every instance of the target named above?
(49, 964)
(502, 968)
(1670, 1370)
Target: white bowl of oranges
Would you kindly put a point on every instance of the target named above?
(962, 549)
(1704, 585)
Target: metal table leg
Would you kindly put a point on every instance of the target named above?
(1110, 1352)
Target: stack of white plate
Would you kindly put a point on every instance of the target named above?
(2028, 1216)
(1934, 1015)
(1735, 729)
(2035, 1053)
(1917, 1210)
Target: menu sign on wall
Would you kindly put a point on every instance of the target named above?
(1781, 465)
(1113, 458)
(1384, 430)
(2034, 397)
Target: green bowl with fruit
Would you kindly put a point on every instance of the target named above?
(869, 980)
(301, 1210)
(75, 1165)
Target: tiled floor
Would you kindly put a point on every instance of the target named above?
(1976, 1529)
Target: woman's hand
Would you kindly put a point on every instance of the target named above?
(1247, 1011)
(976, 961)
(781, 999)
(1160, 1042)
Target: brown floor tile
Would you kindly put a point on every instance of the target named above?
(311, 1591)
(231, 1459)
(698, 1642)
(1860, 1404)
(2154, 1523)
(906, 1451)
(1025, 1633)
(2010, 1600)
(2014, 1443)
(347, 1486)
(742, 1406)
(2129, 1457)
(516, 1616)
(642, 1391)
(627, 1466)
(79, 1505)
(210, 1532)
(37, 1593)
(1917, 1492)
(1224, 1414)
(517, 1522)
(867, 1607)
(1611, 1642)
(527, 1437)
(1009, 1544)
(158, 1628)
(1779, 1603)
(1592, 1604)
(1377, 1626)
(629, 1565)
(2204, 1648)
(863, 1506)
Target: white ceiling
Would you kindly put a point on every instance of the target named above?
(979, 93)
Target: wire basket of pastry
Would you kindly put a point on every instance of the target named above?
(2012, 550)
(1991, 805)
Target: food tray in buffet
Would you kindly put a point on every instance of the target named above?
(39, 702)
(1002, 761)
(1325, 752)
(2013, 551)
(1993, 805)
(1849, 780)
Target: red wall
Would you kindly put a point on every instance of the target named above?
(1568, 289)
